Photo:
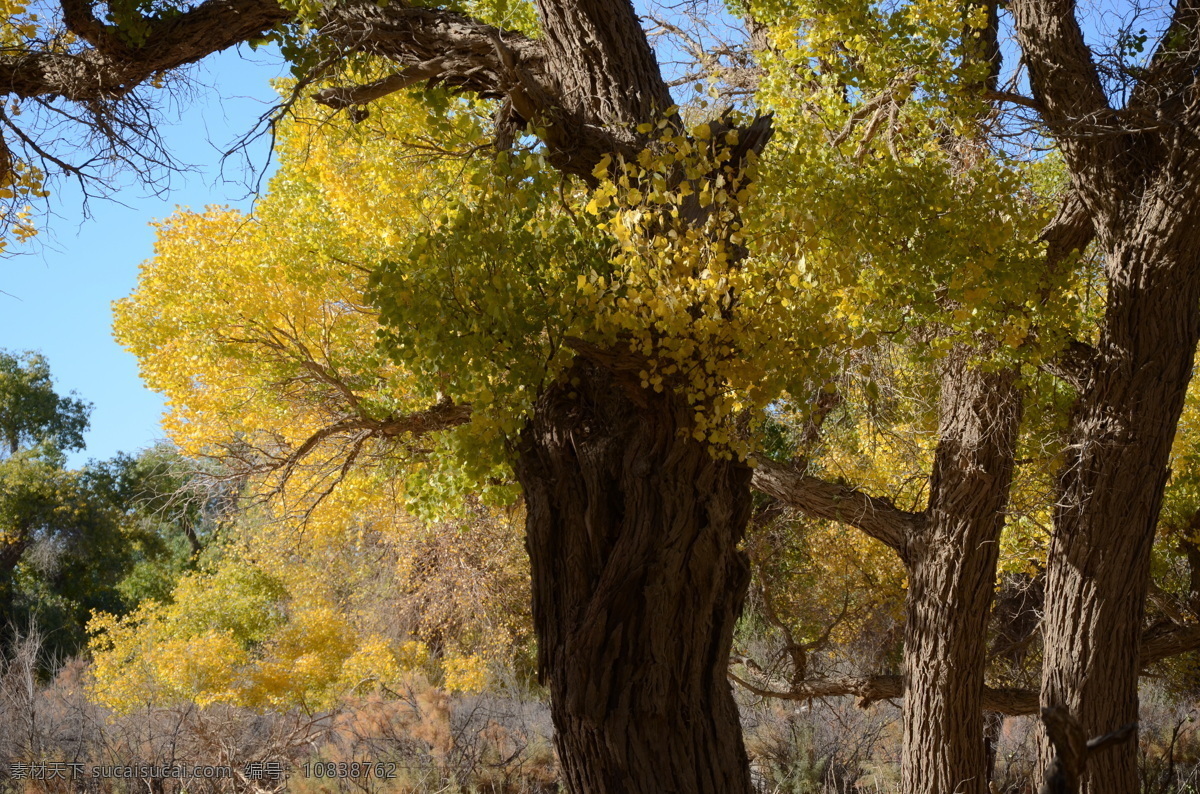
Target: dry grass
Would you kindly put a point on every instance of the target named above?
(427, 740)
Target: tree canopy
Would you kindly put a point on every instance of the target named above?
(517, 265)
(32, 413)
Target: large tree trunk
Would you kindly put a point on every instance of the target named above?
(633, 532)
(1112, 486)
(1140, 184)
(952, 571)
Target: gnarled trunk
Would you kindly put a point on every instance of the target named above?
(1112, 486)
(633, 530)
(1140, 186)
(952, 571)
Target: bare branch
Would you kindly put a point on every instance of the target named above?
(339, 97)
(1012, 99)
(873, 688)
(876, 516)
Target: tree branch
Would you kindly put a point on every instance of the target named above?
(1172, 69)
(339, 97)
(112, 68)
(1074, 364)
(1012, 99)
(1157, 644)
(1164, 641)
(872, 688)
(876, 516)
(1064, 79)
(1069, 232)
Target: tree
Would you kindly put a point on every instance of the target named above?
(32, 413)
(68, 539)
(1132, 381)
(37, 427)
(593, 94)
(500, 234)
(623, 299)
(1135, 185)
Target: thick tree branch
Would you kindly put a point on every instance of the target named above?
(1064, 79)
(876, 516)
(435, 44)
(1164, 641)
(1069, 232)
(442, 416)
(1074, 364)
(427, 44)
(112, 67)
(452, 49)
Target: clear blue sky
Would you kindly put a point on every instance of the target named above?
(59, 294)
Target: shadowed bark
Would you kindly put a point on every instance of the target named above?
(1136, 170)
(952, 572)
(632, 529)
(1072, 751)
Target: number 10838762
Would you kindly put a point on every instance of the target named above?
(352, 769)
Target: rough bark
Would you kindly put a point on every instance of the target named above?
(1112, 486)
(1135, 169)
(621, 83)
(637, 580)
(952, 572)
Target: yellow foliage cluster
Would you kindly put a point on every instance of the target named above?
(295, 614)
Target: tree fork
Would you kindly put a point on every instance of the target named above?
(1112, 488)
(633, 530)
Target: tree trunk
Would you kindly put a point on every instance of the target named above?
(633, 532)
(1112, 486)
(952, 571)
(1140, 185)
(10, 556)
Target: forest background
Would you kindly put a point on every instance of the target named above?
(518, 324)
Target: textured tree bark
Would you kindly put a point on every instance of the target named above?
(632, 531)
(1112, 486)
(952, 571)
(1136, 171)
